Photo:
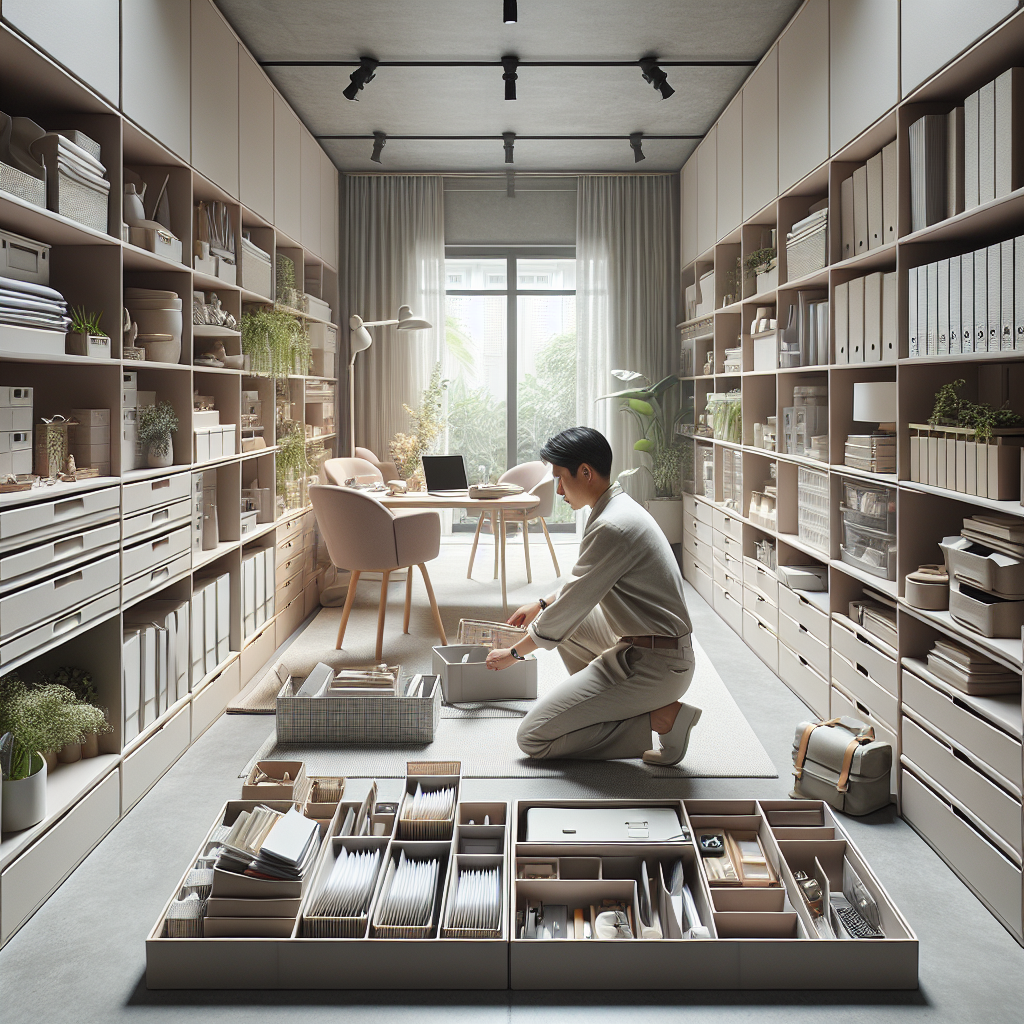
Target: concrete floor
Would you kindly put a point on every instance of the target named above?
(82, 957)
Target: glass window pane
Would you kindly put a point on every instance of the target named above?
(477, 274)
(540, 274)
(546, 386)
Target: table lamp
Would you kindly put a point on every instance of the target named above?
(875, 402)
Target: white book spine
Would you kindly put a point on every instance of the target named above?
(971, 151)
(856, 341)
(842, 322)
(955, 162)
(1006, 300)
(890, 308)
(876, 231)
(1018, 293)
(922, 310)
(873, 318)
(849, 240)
(980, 301)
(1009, 131)
(954, 305)
(942, 309)
(932, 326)
(995, 278)
(913, 344)
(860, 209)
(987, 143)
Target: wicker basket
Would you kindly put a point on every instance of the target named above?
(79, 202)
(807, 254)
(23, 186)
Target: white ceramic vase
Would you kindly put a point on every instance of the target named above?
(158, 461)
(24, 800)
(668, 514)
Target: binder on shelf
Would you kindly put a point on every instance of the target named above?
(980, 302)
(846, 218)
(942, 309)
(971, 151)
(927, 171)
(873, 318)
(198, 648)
(890, 194)
(841, 301)
(987, 143)
(131, 682)
(1018, 291)
(860, 210)
(955, 162)
(890, 321)
(913, 339)
(932, 307)
(1009, 131)
(1006, 301)
(994, 277)
(856, 313)
(967, 302)
(875, 228)
(954, 306)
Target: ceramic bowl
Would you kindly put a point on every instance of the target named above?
(234, 362)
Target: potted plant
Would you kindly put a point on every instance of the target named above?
(91, 719)
(427, 426)
(293, 463)
(156, 425)
(86, 337)
(763, 265)
(656, 412)
(276, 343)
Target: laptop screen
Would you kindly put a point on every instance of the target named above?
(445, 472)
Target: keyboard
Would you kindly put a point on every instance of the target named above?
(855, 924)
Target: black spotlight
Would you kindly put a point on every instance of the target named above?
(509, 76)
(636, 144)
(510, 12)
(362, 74)
(653, 74)
(508, 141)
(379, 139)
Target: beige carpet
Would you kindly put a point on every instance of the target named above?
(723, 745)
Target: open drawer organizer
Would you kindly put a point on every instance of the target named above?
(558, 895)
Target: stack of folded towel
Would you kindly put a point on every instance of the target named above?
(32, 305)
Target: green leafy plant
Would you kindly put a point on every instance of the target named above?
(78, 680)
(427, 424)
(947, 408)
(276, 343)
(286, 291)
(952, 410)
(656, 412)
(86, 323)
(293, 455)
(760, 261)
(41, 718)
(156, 424)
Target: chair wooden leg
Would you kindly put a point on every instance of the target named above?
(526, 548)
(347, 610)
(476, 540)
(494, 533)
(433, 604)
(381, 611)
(408, 598)
(551, 547)
(502, 531)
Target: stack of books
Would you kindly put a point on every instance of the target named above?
(874, 453)
(928, 170)
(969, 671)
(265, 843)
(999, 532)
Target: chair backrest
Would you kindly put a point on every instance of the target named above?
(358, 530)
(340, 471)
(545, 490)
(534, 478)
(365, 453)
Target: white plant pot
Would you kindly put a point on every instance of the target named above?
(668, 514)
(24, 800)
(766, 282)
(160, 461)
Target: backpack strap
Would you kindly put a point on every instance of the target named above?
(867, 736)
(801, 753)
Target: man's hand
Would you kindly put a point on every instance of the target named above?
(525, 615)
(500, 658)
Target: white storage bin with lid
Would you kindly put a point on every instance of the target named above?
(465, 677)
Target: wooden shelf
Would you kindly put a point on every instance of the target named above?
(213, 331)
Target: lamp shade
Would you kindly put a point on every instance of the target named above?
(408, 322)
(875, 402)
(359, 340)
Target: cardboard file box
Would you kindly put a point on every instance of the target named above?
(294, 789)
(16, 418)
(471, 680)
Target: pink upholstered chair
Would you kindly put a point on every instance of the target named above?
(341, 471)
(534, 478)
(363, 536)
(388, 470)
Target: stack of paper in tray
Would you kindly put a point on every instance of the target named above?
(999, 532)
(970, 671)
(268, 844)
(25, 304)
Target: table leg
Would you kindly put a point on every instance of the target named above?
(494, 532)
(501, 531)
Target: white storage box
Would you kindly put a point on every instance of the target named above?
(23, 259)
(765, 356)
(465, 677)
(256, 275)
(31, 341)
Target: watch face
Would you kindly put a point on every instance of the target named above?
(712, 844)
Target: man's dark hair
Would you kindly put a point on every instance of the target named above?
(577, 445)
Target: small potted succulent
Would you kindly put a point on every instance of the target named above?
(763, 265)
(86, 337)
(157, 424)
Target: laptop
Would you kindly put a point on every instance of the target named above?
(445, 475)
(602, 824)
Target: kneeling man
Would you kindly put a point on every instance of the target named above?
(620, 625)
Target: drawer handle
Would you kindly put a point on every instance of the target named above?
(158, 484)
(761, 625)
(863, 710)
(63, 625)
(761, 600)
(75, 577)
(862, 670)
(160, 543)
(803, 661)
(63, 547)
(164, 513)
(62, 508)
(803, 628)
(159, 574)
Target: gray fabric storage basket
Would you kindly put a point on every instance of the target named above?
(305, 720)
(868, 785)
(27, 188)
(808, 253)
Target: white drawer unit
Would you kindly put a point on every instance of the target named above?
(700, 550)
(153, 579)
(697, 573)
(857, 648)
(48, 556)
(144, 766)
(727, 581)
(146, 556)
(702, 531)
(162, 490)
(757, 604)
(729, 546)
(289, 548)
(991, 806)
(761, 640)
(761, 578)
(54, 597)
(800, 609)
(256, 653)
(28, 524)
(729, 608)
(692, 505)
(213, 698)
(732, 565)
(50, 633)
(993, 876)
(957, 717)
(858, 682)
(843, 703)
(808, 685)
(158, 520)
(727, 524)
(799, 640)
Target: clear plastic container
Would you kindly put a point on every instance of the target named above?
(870, 550)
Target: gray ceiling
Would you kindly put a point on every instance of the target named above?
(470, 101)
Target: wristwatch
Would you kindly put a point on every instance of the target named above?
(543, 604)
(515, 654)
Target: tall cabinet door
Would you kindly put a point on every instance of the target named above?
(287, 174)
(761, 135)
(707, 191)
(730, 167)
(255, 137)
(214, 97)
(328, 211)
(310, 171)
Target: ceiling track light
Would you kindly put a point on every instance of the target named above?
(636, 144)
(362, 74)
(508, 141)
(654, 74)
(379, 140)
(509, 12)
(509, 76)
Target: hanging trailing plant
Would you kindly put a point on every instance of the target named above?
(276, 343)
(292, 456)
(760, 261)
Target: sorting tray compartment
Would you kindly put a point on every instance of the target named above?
(984, 568)
(985, 613)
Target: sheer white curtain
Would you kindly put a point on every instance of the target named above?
(394, 253)
(627, 286)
